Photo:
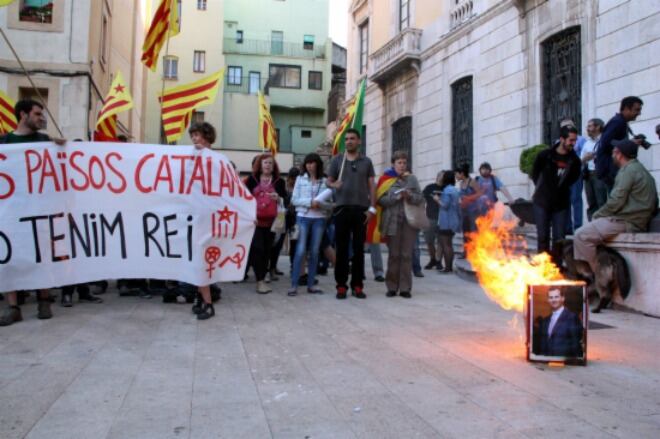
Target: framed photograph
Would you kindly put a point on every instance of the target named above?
(557, 318)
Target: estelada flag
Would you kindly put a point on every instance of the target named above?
(385, 182)
(352, 118)
(8, 122)
(267, 132)
(117, 100)
(179, 103)
(165, 23)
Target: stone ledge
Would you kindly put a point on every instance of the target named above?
(642, 253)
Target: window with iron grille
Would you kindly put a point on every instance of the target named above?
(461, 121)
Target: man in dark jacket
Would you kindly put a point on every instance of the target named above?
(615, 129)
(555, 170)
(560, 334)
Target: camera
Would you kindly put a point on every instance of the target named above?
(645, 144)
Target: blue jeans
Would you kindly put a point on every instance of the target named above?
(574, 213)
(416, 263)
(310, 231)
(548, 221)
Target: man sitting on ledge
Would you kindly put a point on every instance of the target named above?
(631, 205)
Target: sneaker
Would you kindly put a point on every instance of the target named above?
(11, 315)
(292, 292)
(341, 292)
(358, 293)
(263, 288)
(418, 274)
(405, 294)
(314, 291)
(43, 310)
(432, 264)
(379, 278)
(390, 294)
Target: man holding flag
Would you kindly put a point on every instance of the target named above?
(352, 175)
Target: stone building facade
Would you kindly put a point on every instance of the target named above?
(480, 80)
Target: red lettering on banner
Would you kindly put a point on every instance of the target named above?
(115, 171)
(48, 170)
(225, 180)
(197, 175)
(75, 167)
(138, 169)
(228, 219)
(211, 256)
(209, 178)
(182, 174)
(96, 161)
(164, 165)
(237, 258)
(29, 168)
(9, 180)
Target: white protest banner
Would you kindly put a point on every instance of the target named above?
(90, 211)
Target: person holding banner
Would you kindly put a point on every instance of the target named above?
(203, 135)
(268, 190)
(310, 220)
(30, 116)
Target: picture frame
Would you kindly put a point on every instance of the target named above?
(557, 321)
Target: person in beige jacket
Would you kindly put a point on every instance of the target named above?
(399, 234)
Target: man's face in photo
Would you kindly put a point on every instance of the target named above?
(555, 299)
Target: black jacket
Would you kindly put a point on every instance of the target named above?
(615, 129)
(553, 174)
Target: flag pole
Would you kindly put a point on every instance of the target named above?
(162, 88)
(41, 99)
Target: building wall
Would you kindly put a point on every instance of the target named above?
(501, 49)
(69, 49)
(200, 30)
(292, 109)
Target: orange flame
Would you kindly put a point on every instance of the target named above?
(499, 258)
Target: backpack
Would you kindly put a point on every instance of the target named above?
(266, 206)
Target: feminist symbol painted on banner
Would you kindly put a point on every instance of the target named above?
(224, 223)
(211, 256)
(236, 258)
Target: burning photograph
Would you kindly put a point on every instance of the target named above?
(557, 323)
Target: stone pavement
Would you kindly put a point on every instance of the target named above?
(446, 364)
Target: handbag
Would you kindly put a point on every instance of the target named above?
(279, 224)
(416, 215)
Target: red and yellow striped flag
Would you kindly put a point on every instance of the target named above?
(165, 23)
(117, 100)
(8, 122)
(267, 132)
(179, 103)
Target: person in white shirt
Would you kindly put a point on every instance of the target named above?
(594, 188)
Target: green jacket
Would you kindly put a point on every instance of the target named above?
(633, 199)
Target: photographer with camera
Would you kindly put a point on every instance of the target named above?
(617, 129)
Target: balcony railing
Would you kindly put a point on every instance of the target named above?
(461, 11)
(401, 52)
(274, 48)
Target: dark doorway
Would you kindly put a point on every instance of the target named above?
(402, 137)
(562, 82)
(461, 122)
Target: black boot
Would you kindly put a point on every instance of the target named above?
(198, 304)
(206, 312)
